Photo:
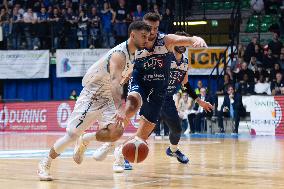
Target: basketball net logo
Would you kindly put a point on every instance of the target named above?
(63, 113)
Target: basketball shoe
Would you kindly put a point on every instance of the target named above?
(178, 154)
(127, 165)
(101, 153)
(44, 170)
(118, 165)
(79, 150)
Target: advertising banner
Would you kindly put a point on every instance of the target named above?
(41, 116)
(202, 61)
(75, 62)
(24, 64)
(266, 113)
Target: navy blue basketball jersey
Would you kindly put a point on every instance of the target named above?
(177, 73)
(152, 66)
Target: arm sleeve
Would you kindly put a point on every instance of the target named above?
(190, 91)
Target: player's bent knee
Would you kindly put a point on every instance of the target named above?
(145, 128)
(133, 104)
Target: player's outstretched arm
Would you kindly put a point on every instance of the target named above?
(172, 40)
(206, 105)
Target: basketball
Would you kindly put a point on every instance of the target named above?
(135, 150)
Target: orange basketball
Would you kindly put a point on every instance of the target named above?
(135, 150)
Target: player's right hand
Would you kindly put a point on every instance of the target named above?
(119, 117)
(199, 42)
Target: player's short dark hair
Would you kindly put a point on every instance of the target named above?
(182, 33)
(138, 25)
(152, 16)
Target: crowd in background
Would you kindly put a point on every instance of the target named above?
(69, 24)
(257, 69)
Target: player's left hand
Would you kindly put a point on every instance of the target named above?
(199, 42)
(205, 105)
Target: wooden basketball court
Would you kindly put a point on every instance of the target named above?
(214, 163)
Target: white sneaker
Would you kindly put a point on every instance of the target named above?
(43, 170)
(118, 165)
(101, 153)
(79, 150)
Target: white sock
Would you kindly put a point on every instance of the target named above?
(88, 137)
(173, 148)
(49, 159)
(62, 143)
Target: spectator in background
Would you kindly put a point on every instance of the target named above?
(121, 16)
(83, 29)
(200, 112)
(253, 63)
(108, 18)
(245, 87)
(199, 86)
(223, 87)
(95, 23)
(191, 117)
(156, 9)
(56, 28)
(228, 71)
(241, 51)
(275, 45)
(269, 60)
(42, 28)
(258, 53)
(276, 69)
(17, 24)
(277, 84)
(250, 49)
(4, 23)
(282, 90)
(167, 22)
(177, 98)
(281, 61)
(138, 14)
(260, 71)
(245, 70)
(232, 107)
(71, 28)
(262, 86)
(182, 109)
(257, 6)
(73, 95)
(30, 18)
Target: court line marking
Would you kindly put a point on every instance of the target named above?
(150, 182)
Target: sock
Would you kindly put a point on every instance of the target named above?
(61, 144)
(173, 148)
(49, 159)
(88, 137)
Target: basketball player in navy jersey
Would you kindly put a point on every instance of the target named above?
(150, 78)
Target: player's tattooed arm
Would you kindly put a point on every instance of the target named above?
(172, 40)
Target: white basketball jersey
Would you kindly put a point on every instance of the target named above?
(99, 71)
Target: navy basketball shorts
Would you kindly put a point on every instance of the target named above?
(152, 99)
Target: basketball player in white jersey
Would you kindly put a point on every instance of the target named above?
(100, 100)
